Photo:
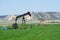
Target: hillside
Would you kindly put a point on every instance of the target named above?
(38, 16)
(46, 15)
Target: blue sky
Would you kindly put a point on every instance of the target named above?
(12, 7)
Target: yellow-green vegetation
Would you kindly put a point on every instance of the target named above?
(44, 32)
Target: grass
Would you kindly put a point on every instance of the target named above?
(44, 32)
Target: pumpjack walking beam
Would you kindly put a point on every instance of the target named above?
(28, 13)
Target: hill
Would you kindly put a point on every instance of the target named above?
(37, 16)
(46, 15)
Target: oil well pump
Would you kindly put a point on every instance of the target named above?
(23, 18)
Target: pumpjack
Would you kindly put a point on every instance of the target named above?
(23, 18)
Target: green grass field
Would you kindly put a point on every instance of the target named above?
(45, 32)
